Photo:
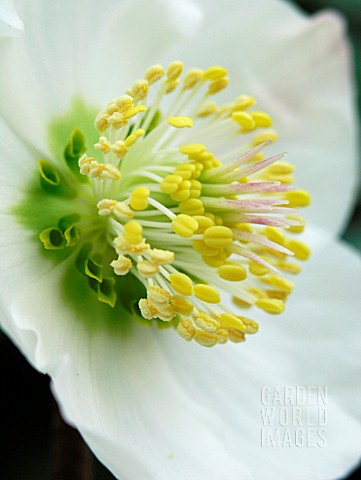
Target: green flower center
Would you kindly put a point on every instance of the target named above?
(158, 225)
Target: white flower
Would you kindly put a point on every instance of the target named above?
(150, 405)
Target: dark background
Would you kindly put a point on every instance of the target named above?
(29, 418)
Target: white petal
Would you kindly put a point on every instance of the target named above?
(116, 387)
(315, 343)
(90, 49)
(299, 69)
(10, 23)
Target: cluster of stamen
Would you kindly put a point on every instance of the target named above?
(181, 213)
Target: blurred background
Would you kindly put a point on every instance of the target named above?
(29, 414)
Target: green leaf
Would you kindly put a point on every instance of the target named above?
(73, 151)
(49, 176)
(52, 238)
(71, 235)
(87, 266)
(106, 292)
(68, 221)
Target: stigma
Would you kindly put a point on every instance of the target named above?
(187, 204)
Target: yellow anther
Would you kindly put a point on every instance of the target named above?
(147, 269)
(206, 293)
(184, 225)
(111, 108)
(186, 329)
(103, 145)
(180, 122)
(206, 322)
(182, 305)
(222, 336)
(205, 339)
(117, 120)
(104, 171)
(257, 158)
(216, 260)
(147, 309)
(129, 141)
(106, 206)
(185, 170)
(280, 168)
(119, 148)
(85, 164)
(133, 232)
(245, 227)
(207, 109)
(275, 235)
(298, 198)
(192, 207)
(170, 184)
(251, 325)
(181, 283)
(300, 249)
(214, 73)
(236, 336)
(123, 247)
(134, 111)
(280, 283)
(159, 296)
(154, 73)
(270, 305)
(216, 86)
(139, 198)
(123, 211)
(232, 321)
(122, 265)
(277, 294)
(264, 137)
(195, 189)
(161, 257)
(218, 237)
(262, 119)
(171, 86)
(243, 102)
(232, 273)
(241, 303)
(200, 247)
(181, 195)
(139, 90)
(257, 269)
(193, 149)
(244, 119)
(101, 121)
(289, 267)
(203, 223)
(174, 71)
(123, 103)
(192, 78)
(299, 228)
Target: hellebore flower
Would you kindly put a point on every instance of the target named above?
(168, 206)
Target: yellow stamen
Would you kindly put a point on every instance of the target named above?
(181, 283)
(218, 237)
(180, 122)
(206, 293)
(232, 273)
(139, 198)
(133, 232)
(184, 225)
(270, 305)
(154, 73)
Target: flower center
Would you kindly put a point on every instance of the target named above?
(167, 200)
